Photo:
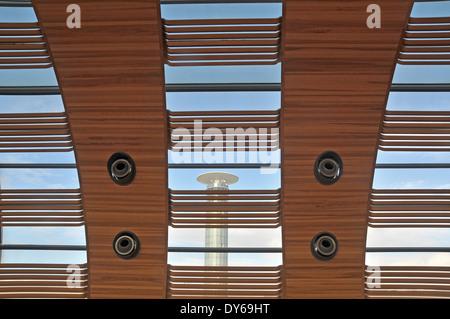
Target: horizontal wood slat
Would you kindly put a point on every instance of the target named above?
(29, 132)
(222, 41)
(23, 38)
(41, 208)
(208, 22)
(415, 130)
(224, 282)
(253, 130)
(224, 209)
(43, 281)
(407, 282)
(406, 208)
(426, 35)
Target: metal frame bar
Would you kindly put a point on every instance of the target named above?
(408, 249)
(29, 90)
(420, 87)
(224, 166)
(217, 1)
(278, 165)
(15, 3)
(27, 3)
(224, 250)
(33, 165)
(214, 87)
(412, 165)
(223, 87)
(227, 249)
(42, 247)
(279, 249)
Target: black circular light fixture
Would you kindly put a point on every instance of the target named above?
(121, 168)
(324, 246)
(126, 245)
(328, 168)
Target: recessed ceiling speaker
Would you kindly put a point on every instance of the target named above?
(121, 168)
(126, 245)
(324, 246)
(328, 168)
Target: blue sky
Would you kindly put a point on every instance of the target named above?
(186, 179)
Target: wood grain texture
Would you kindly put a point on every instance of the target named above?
(110, 73)
(403, 208)
(188, 282)
(21, 37)
(28, 132)
(236, 211)
(212, 39)
(416, 45)
(336, 76)
(252, 130)
(43, 281)
(40, 208)
(407, 282)
(431, 129)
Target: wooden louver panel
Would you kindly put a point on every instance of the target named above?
(407, 282)
(225, 208)
(426, 42)
(222, 41)
(43, 281)
(22, 46)
(410, 208)
(416, 131)
(45, 207)
(224, 282)
(225, 130)
(34, 132)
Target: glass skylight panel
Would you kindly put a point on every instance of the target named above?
(234, 259)
(17, 14)
(28, 77)
(44, 236)
(408, 259)
(413, 157)
(412, 178)
(205, 93)
(232, 101)
(411, 187)
(37, 178)
(221, 11)
(427, 9)
(224, 74)
(188, 237)
(248, 178)
(417, 74)
(419, 101)
(30, 103)
(37, 158)
(39, 181)
(229, 73)
(403, 237)
(23, 256)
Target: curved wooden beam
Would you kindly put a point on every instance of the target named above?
(336, 77)
(110, 72)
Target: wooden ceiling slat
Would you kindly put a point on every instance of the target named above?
(217, 22)
(201, 36)
(23, 25)
(408, 282)
(215, 35)
(195, 281)
(229, 28)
